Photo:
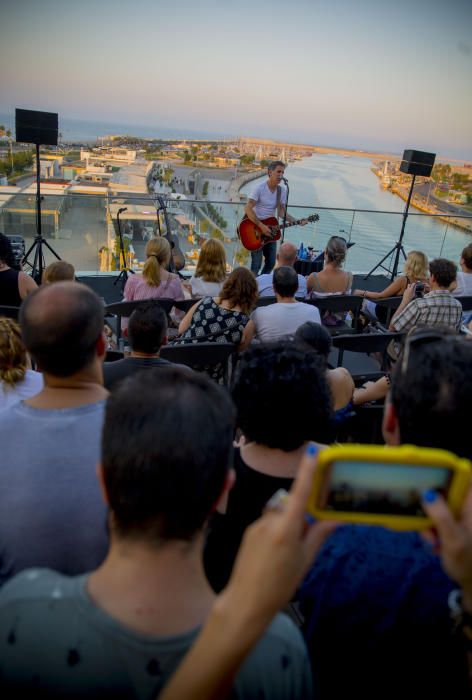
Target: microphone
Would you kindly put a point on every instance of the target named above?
(120, 211)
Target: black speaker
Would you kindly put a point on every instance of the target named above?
(36, 127)
(417, 163)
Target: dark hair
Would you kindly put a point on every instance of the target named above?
(147, 328)
(433, 394)
(240, 289)
(280, 382)
(336, 250)
(444, 271)
(6, 251)
(285, 281)
(466, 255)
(166, 451)
(275, 164)
(61, 324)
(316, 337)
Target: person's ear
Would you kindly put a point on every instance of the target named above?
(390, 426)
(221, 502)
(101, 483)
(165, 340)
(101, 345)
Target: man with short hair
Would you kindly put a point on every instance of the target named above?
(286, 257)
(436, 307)
(51, 511)
(147, 333)
(122, 630)
(282, 319)
(267, 199)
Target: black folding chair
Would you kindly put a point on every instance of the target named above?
(202, 357)
(113, 356)
(124, 309)
(339, 303)
(466, 303)
(10, 312)
(367, 343)
(266, 301)
(391, 304)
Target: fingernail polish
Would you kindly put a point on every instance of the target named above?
(429, 496)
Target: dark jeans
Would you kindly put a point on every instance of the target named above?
(270, 252)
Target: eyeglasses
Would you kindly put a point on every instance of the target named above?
(423, 338)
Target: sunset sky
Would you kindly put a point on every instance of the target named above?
(364, 74)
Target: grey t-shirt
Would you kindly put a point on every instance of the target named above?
(278, 320)
(54, 639)
(52, 512)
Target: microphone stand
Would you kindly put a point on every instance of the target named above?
(284, 222)
(123, 276)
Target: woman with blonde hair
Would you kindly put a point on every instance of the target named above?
(17, 381)
(211, 270)
(222, 319)
(416, 270)
(155, 282)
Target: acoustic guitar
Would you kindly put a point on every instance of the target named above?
(252, 237)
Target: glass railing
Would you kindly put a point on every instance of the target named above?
(81, 227)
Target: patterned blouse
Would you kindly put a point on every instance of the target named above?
(214, 324)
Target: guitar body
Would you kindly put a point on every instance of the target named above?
(252, 237)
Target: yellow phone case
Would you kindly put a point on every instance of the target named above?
(461, 474)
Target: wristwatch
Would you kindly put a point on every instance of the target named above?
(462, 618)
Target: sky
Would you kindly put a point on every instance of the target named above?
(364, 74)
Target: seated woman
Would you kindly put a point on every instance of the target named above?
(155, 282)
(17, 380)
(14, 284)
(283, 401)
(58, 271)
(332, 279)
(221, 319)
(211, 270)
(340, 381)
(416, 270)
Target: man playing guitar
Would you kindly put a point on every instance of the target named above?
(267, 199)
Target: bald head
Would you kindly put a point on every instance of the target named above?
(287, 255)
(61, 324)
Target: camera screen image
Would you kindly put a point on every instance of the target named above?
(383, 488)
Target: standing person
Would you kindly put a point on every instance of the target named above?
(267, 199)
(14, 284)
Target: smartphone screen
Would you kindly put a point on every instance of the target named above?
(381, 488)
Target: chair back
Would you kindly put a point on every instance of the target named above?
(266, 301)
(336, 303)
(367, 343)
(124, 309)
(391, 304)
(466, 303)
(201, 356)
(10, 312)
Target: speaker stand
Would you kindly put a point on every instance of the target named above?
(398, 247)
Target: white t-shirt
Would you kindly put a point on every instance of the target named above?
(464, 284)
(278, 320)
(200, 288)
(266, 289)
(266, 201)
(30, 386)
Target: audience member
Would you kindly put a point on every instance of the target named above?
(318, 339)
(332, 279)
(436, 307)
(147, 333)
(286, 257)
(464, 275)
(278, 320)
(211, 270)
(17, 379)
(155, 282)
(221, 319)
(416, 270)
(14, 284)
(58, 271)
(283, 401)
(51, 511)
(162, 473)
(384, 592)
